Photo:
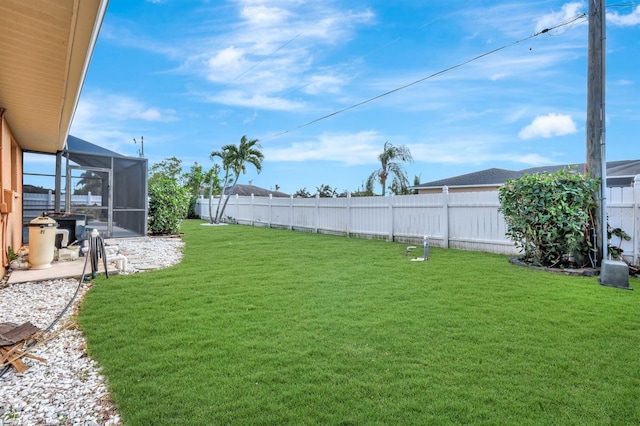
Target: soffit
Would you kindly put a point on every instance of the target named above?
(45, 47)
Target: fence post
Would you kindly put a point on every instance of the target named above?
(270, 209)
(390, 217)
(317, 223)
(348, 213)
(252, 211)
(291, 212)
(636, 220)
(237, 207)
(445, 216)
(88, 198)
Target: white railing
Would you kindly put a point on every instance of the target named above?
(465, 220)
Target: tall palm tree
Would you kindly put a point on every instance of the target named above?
(391, 158)
(234, 160)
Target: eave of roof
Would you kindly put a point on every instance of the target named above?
(45, 49)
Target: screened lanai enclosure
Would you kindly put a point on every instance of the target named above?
(86, 187)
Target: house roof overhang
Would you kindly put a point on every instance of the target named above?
(45, 48)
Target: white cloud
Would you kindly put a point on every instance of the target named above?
(260, 15)
(154, 114)
(323, 84)
(124, 107)
(99, 117)
(352, 149)
(614, 18)
(98, 107)
(549, 125)
(272, 48)
(225, 62)
(479, 148)
(238, 98)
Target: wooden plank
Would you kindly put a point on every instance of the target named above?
(15, 361)
(18, 334)
(6, 326)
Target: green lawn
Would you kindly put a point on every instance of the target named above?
(264, 326)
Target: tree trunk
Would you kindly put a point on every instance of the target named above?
(210, 201)
(224, 185)
(224, 206)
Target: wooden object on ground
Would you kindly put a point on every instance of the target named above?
(12, 338)
(10, 333)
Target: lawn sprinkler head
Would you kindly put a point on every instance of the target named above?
(426, 251)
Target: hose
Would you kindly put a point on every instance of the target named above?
(96, 249)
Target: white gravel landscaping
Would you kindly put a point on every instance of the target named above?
(68, 389)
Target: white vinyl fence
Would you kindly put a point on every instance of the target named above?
(35, 204)
(461, 220)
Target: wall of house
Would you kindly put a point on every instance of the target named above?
(10, 191)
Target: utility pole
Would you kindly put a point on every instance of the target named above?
(613, 273)
(596, 152)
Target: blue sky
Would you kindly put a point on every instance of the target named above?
(190, 76)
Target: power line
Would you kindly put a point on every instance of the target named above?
(261, 61)
(451, 68)
(370, 52)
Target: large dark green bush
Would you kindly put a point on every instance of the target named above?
(548, 216)
(168, 205)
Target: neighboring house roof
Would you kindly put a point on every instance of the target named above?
(619, 173)
(46, 47)
(247, 190)
(481, 178)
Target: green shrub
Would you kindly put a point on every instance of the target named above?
(548, 216)
(168, 205)
(191, 211)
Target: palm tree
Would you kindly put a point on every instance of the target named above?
(225, 154)
(390, 161)
(234, 160)
(89, 182)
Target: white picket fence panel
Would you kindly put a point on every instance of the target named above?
(461, 220)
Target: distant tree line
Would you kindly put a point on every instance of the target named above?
(391, 167)
(173, 194)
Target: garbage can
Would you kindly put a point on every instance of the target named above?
(42, 242)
